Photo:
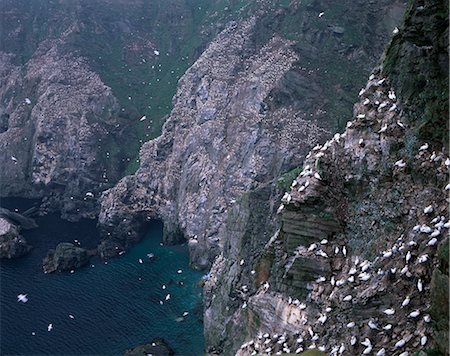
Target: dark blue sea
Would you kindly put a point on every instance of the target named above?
(116, 306)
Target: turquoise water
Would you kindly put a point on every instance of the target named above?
(115, 306)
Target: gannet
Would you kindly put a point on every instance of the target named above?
(321, 14)
(322, 319)
(372, 324)
(347, 298)
(50, 327)
(435, 233)
(432, 242)
(428, 209)
(22, 298)
(389, 311)
(400, 343)
(28, 101)
(143, 118)
(423, 340)
(395, 31)
(168, 296)
(156, 52)
(414, 314)
(419, 285)
(423, 147)
(381, 352)
(383, 128)
(406, 301)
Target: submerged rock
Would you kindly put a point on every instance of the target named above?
(66, 256)
(158, 347)
(12, 245)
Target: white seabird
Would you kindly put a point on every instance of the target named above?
(22, 298)
(50, 327)
(428, 209)
(389, 311)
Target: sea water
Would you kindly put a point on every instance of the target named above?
(116, 306)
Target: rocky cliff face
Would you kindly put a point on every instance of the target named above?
(76, 79)
(360, 261)
(52, 131)
(248, 110)
(215, 145)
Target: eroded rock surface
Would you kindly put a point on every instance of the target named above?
(354, 266)
(217, 144)
(66, 256)
(12, 245)
(53, 130)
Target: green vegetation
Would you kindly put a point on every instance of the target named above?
(422, 74)
(285, 181)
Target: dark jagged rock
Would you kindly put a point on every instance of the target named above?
(158, 347)
(109, 248)
(12, 245)
(22, 220)
(65, 257)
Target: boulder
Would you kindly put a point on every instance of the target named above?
(109, 248)
(12, 245)
(158, 347)
(66, 256)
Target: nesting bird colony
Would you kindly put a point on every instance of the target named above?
(366, 302)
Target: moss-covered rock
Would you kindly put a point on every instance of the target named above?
(439, 309)
(416, 62)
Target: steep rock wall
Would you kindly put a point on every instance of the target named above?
(364, 229)
(245, 112)
(218, 142)
(53, 120)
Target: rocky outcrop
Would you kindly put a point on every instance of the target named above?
(354, 266)
(19, 219)
(158, 347)
(65, 257)
(52, 132)
(12, 245)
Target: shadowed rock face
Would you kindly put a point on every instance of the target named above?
(12, 245)
(65, 257)
(157, 347)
